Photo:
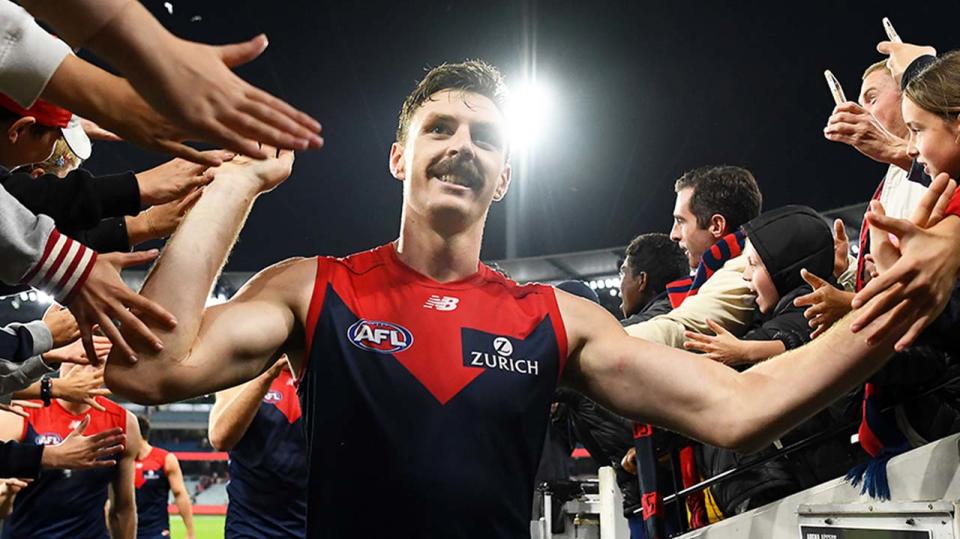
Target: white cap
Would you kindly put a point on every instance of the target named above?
(77, 138)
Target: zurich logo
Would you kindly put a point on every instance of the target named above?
(382, 337)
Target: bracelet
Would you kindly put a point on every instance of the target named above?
(46, 390)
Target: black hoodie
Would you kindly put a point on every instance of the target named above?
(787, 239)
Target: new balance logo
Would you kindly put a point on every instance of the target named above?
(441, 303)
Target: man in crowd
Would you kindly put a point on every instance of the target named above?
(397, 395)
(712, 203)
(650, 263)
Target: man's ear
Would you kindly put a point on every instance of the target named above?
(503, 183)
(397, 163)
(37, 172)
(718, 226)
(642, 282)
(19, 128)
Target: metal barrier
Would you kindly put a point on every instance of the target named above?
(679, 495)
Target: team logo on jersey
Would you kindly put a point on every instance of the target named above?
(48, 439)
(480, 350)
(273, 396)
(503, 346)
(376, 336)
(441, 303)
(150, 474)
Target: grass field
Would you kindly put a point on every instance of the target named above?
(207, 527)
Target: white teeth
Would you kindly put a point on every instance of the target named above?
(450, 178)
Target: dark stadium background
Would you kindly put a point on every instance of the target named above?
(644, 90)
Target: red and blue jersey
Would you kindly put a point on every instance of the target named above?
(268, 482)
(64, 503)
(153, 493)
(425, 403)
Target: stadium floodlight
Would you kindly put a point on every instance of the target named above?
(528, 113)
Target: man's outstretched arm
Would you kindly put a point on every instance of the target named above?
(226, 345)
(704, 399)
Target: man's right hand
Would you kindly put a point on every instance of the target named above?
(852, 124)
(79, 452)
(265, 173)
(104, 298)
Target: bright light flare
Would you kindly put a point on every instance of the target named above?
(529, 112)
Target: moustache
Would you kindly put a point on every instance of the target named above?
(464, 168)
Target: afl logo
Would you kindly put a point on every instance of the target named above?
(48, 439)
(273, 396)
(382, 337)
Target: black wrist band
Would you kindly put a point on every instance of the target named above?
(46, 390)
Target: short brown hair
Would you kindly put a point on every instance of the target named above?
(936, 88)
(474, 76)
(876, 66)
(725, 190)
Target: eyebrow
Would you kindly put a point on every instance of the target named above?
(437, 117)
(443, 117)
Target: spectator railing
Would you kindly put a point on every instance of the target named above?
(680, 495)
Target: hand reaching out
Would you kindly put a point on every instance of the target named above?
(160, 221)
(81, 385)
(104, 298)
(16, 407)
(841, 249)
(79, 452)
(926, 261)
(723, 346)
(266, 173)
(825, 305)
(75, 352)
(62, 325)
(176, 179)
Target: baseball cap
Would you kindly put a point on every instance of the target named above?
(76, 138)
(50, 115)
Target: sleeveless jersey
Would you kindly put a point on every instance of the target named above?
(64, 503)
(425, 403)
(153, 493)
(268, 469)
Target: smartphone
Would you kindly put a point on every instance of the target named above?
(892, 34)
(835, 87)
